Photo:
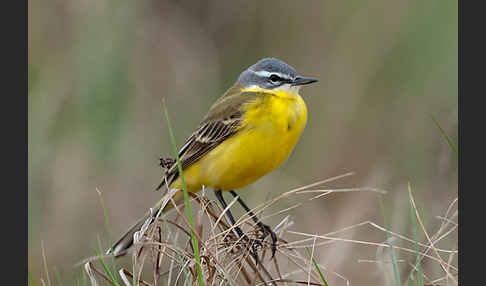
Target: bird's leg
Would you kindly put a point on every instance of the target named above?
(263, 226)
(238, 230)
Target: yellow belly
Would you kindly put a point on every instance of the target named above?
(270, 130)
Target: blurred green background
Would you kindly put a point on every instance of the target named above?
(98, 71)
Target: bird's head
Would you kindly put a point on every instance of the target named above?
(271, 73)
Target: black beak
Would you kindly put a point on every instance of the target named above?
(303, 80)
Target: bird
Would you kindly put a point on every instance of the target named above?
(247, 133)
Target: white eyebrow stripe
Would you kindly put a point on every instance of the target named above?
(268, 74)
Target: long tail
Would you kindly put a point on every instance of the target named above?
(124, 244)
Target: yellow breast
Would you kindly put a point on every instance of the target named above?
(272, 125)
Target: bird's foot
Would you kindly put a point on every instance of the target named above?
(265, 231)
(254, 244)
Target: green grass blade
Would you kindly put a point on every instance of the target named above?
(186, 199)
(105, 215)
(449, 141)
(396, 273)
(317, 268)
(413, 219)
(107, 227)
(58, 276)
(45, 263)
(103, 264)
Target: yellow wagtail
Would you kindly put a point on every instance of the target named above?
(247, 133)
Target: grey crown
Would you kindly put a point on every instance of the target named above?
(268, 73)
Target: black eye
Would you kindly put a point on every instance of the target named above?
(275, 78)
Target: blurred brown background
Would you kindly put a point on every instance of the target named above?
(98, 71)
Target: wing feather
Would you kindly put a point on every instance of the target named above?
(204, 139)
(222, 121)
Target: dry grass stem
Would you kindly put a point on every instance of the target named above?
(227, 259)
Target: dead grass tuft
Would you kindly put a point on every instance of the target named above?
(163, 250)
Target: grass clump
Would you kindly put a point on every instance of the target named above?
(164, 252)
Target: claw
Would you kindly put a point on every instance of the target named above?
(254, 253)
(266, 228)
